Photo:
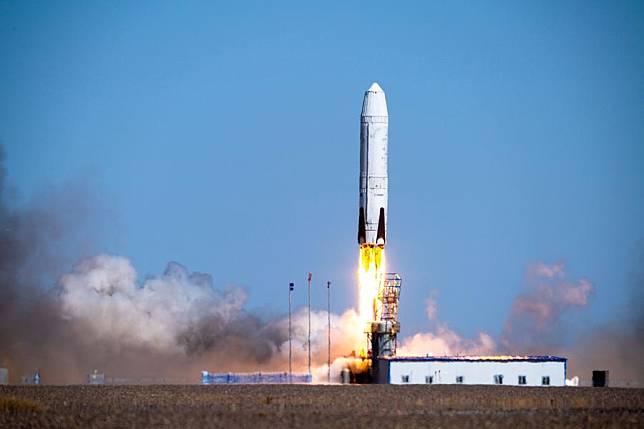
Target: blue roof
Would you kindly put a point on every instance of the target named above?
(478, 358)
(254, 378)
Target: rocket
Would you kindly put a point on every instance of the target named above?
(372, 215)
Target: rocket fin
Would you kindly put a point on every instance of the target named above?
(362, 228)
(380, 236)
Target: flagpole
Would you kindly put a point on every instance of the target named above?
(310, 276)
(328, 313)
(290, 351)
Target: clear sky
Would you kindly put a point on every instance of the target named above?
(225, 136)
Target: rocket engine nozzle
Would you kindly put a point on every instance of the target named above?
(362, 229)
(380, 235)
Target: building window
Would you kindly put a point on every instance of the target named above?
(523, 380)
(405, 379)
(459, 379)
(545, 380)
(429, 379)
(498, 379)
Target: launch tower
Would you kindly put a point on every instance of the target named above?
(383, 333)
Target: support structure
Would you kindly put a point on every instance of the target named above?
(383, 333)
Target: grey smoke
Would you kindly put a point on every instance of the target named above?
(178, 312)
(36, 240)
(534, 324)
(619, 345)
(67, 321)
(66, 310)
(532, 327)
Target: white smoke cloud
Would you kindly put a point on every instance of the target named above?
(180, 313)
(103, 294)
(344, 336)
(446, 342)
(442, 340)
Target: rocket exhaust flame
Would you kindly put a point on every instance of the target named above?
(371, 275)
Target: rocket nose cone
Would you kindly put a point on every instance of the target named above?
(375, 88)
(374, 102)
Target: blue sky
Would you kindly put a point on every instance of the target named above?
(224, 135)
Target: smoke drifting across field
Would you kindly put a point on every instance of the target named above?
(171, 325)
(181, 318)
(100, 314)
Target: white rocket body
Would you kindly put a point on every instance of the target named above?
(372, 216)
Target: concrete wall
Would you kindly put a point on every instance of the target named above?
(476, 372)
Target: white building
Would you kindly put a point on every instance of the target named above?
(501, 370)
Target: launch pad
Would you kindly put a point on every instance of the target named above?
(382, 334)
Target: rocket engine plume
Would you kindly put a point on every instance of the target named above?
(371, 275)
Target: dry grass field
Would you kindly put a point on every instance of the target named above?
(264, 406)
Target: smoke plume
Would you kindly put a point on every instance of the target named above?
(182, 314)
(37, 239)
(532, 326)
(442, 340)
(164, 313)
(99, 314)
(68, 318)
(534, 323)
(535, 326)
(619, 345)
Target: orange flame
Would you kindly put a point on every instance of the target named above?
(371, 275)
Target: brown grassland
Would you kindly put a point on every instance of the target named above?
(367, 406)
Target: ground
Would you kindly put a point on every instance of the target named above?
(274, 406)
